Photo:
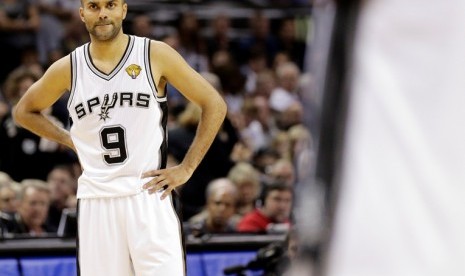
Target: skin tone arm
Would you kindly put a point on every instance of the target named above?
(40, 96)
(169, 66)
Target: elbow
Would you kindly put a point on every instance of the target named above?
(217, 105)
(18, 114)
(214, 106)
(224, 107)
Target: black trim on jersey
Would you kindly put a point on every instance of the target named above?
(72, 58)
(115, 70)
(148, 67)
(78, 267)
(177, 207)
(334, 114)
(164, 144)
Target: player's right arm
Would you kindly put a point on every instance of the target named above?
(41, 95)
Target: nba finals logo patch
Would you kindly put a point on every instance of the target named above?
(133, 70)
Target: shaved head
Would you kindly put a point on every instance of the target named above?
(82, 2)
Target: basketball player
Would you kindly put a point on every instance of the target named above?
(118, 109)
(396, 178)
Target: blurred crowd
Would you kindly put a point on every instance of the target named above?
(247, 180)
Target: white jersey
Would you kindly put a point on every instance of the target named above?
(402, 197)
(118, 123)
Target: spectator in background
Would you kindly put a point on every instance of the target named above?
(274, 214)
(250, 128)
(247, 181)
(142, 26)
(289, 44)
(283, 172)
(256, 63)
(283, 96)
(232, 80)
(9, 194)
(16, 84)
(215, 164)
(54, 15)
(264, 158)
(264, 115)
(192, 47)
(20, 148)
(279, 59)
(8, 202)
(289, 117)
(220, 39)
(62, 184)
(19, 21)
(256, 123)
(260, 39)
(241, 153)
(265, 84)
(32, 211)
(301, 141)
(75, 32)
(4, 178)
(219, 215)
(281, 144)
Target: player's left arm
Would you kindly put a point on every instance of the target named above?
(169, 66)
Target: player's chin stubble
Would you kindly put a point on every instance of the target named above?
(104, 35)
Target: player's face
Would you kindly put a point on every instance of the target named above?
(103, 18)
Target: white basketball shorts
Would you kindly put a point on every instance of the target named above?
(133, 235)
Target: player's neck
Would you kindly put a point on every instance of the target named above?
(108, 50)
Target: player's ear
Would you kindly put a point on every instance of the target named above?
(125, 9)
(81, 14)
